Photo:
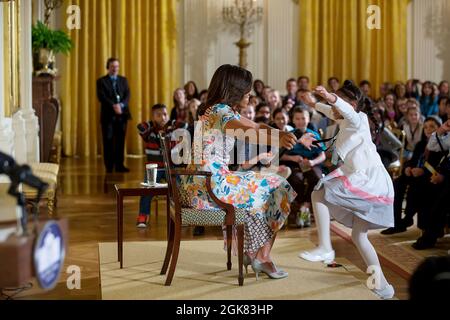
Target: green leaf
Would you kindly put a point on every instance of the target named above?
(55, 40)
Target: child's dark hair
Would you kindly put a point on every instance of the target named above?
(260, 106)
(158, 106)
(303, 78)
(353, 93)
(298, 109)
(277, 111)
(434, 119)
(331, 79)
(364, 82)
(363, 103)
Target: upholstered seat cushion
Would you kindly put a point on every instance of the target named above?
(45, 168)
(202, 217)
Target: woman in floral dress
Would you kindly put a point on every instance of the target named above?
(266, 197)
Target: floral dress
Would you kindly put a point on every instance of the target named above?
(266, 197)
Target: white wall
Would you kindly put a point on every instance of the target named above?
(205, 43)
(429, 40)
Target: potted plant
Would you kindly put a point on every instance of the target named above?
(46, 44)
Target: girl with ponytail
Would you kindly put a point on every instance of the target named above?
(360, 193)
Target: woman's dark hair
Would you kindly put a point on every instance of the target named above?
(229, 85)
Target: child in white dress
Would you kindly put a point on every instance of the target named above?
(360, 193)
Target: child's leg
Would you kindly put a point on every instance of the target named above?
(145, 202)
(322, 218)
(365, 248)
(144, 205)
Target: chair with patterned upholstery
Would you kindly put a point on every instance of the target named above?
(183, 215)
(47, 172)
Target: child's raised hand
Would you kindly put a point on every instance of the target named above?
(306, 99)
(321, 91)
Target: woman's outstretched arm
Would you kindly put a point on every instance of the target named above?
(259, 134)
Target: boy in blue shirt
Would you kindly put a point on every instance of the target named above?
(306, 167)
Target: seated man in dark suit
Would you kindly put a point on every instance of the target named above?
(113, 93)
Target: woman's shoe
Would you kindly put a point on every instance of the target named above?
(386, 293)
(258, 267)
(326, 257)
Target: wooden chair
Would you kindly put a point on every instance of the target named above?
(180, 215)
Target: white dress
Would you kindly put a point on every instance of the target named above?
(361, 186)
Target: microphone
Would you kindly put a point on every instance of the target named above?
(20, 174)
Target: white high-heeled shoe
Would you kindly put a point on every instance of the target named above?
(327, 257)
(386, 293)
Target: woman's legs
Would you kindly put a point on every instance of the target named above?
(367, 251)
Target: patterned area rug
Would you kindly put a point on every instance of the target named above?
(201, 274)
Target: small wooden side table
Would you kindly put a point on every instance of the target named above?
(134, 190)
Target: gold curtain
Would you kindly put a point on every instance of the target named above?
(335, 41)
(142, 35)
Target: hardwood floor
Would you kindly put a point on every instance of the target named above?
(86, 198)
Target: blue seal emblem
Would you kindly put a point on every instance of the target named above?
(49, 253)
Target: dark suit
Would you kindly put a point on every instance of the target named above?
(114, 127)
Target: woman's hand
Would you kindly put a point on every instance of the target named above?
(437, 178)
(321, 91)
(417, 172)
(287, 140)
(307, 140)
